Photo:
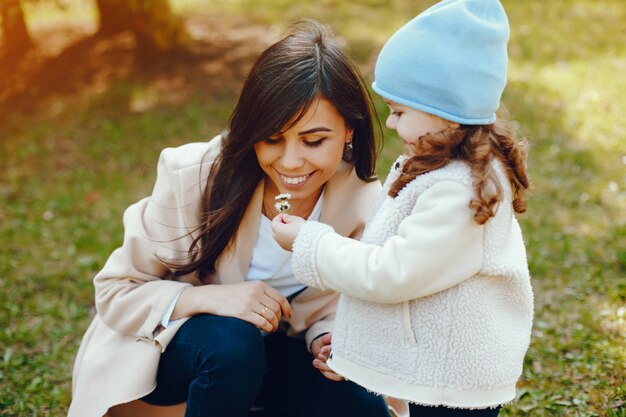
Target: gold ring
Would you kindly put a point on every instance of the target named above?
(262, 313)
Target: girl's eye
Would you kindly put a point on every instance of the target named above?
(396, 113)
(315, 143)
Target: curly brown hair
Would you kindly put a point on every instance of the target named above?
(477, 146)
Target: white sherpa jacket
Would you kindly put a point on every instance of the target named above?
(435, 309)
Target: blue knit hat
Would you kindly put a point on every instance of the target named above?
(450, 61)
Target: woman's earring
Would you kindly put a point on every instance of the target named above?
(347, 152)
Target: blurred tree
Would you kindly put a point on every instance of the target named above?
(152, 22)
(15, 33)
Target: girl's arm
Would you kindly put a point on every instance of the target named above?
(438, 246)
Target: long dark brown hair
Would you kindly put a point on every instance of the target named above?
(287, 78)
(478, 146)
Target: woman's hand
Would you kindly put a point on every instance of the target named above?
(251, 301)
(320, 348)
(285, 228)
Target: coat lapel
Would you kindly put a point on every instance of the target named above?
(233, 265)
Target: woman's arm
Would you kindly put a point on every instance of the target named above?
(132, 296)
(438, 246)
(244, 300)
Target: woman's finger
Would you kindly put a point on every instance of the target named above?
(326, 371)
(269, 315)
(321, 365)
(269, 302)
(280, 299)
(260, 322)
(333, 376)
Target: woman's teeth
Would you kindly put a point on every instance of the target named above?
(294, 180)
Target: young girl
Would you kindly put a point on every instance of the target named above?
(436, 304)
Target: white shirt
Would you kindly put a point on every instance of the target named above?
(270, 262)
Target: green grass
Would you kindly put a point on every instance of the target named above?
(68, 173)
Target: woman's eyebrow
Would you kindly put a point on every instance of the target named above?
(315, 130)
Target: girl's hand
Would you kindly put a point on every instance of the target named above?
(251, 301)
(320, 348)
(285, 228)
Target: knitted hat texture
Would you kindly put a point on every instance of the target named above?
(450, 61)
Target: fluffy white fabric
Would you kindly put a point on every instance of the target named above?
(435, 309)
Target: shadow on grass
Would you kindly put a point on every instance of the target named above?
(216, 61)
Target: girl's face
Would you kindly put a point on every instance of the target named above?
(300, 160)
(411, 124)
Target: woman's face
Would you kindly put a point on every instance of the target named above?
(301, 160)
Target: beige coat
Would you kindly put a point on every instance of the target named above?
(118, 358)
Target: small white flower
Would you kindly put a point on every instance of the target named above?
(283, 205)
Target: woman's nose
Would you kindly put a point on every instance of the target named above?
(292, 157)
(391, 122)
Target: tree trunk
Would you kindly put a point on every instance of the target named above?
(15, 33)
(114, 15)
(155, 27)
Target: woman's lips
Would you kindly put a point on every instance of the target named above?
(294, 180)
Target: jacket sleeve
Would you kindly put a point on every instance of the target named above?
(132, 295)
(436, 247)
(360, 203)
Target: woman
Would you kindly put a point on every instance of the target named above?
(199, 306)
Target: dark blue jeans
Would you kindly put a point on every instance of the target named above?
(222, 366)
(422, 411)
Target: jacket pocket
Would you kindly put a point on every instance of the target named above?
(406, 322)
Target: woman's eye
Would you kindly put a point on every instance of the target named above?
(272, 141)
(315, 143)
(396, 113)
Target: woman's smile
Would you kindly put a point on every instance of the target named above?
(291, 181)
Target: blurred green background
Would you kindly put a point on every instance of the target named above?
(84, 115)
